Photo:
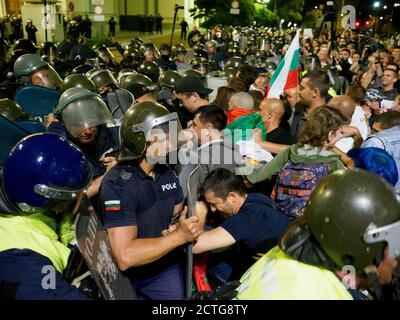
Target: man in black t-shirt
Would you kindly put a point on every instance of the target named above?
(272, 111)
(252, 221)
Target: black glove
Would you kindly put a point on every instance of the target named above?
(89, 288)
(225, 292)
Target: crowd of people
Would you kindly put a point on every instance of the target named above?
(177, 146)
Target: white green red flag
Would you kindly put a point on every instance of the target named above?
(286, 75)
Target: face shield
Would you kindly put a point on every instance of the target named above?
(64, 194)
(46, 77)
(202, 69)
(85, 111)
(162, 138)
(389, 234)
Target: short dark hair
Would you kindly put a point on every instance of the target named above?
(319, 80)
(394, 72)
(388, 119)
(189, 94)
(214, 115)
(345, 49)
(221, 181)
(357, 93)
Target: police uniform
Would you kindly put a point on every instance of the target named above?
(30, 254)
(129, 197)
(105, 144)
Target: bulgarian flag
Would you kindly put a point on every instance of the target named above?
(113, 205)
(286, 75)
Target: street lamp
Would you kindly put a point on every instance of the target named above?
(377, 4)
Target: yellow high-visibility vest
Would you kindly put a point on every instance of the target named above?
(276, 276)
(33, 232)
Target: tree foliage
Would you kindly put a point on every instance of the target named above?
(265, 17)
(218, 12)
(290, 10)
(213, 12)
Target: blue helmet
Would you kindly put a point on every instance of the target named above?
(43, 169)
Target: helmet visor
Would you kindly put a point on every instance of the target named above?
(46, 77)
(389, 234)
(87, 112)
(161, 136)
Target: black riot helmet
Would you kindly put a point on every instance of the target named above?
(150, 69)
(48, 51)
(138, 125)
(12, 111)
(234, 62)
(25, 44)
(132, 58)
(169, 78)
(102, 78)
(351, 215)
(77, 80)
(131, 82)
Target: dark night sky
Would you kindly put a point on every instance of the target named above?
(364, 8)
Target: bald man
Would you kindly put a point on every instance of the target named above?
(240, 104)
(272, 111)
(347, 107)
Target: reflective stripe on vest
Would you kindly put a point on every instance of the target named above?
(31, 232)
(276, 276)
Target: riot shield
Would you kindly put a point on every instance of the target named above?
(192, 196)
(94, 245)
(37, 101)
(10, 135)
(119, 102)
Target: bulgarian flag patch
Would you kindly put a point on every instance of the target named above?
(113, 205)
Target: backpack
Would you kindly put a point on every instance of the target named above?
(294, 185)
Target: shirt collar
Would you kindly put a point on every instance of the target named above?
(204, 145)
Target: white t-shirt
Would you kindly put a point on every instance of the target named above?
(359, 121)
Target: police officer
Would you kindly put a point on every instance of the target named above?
(139, 196)
(31, 30)
(132, 58)
(104, 81)
(150, 69)
(77, 80)
(317, 252)
(54, 173)
(32, 69)
(48, 52)
(107, 58)
(84, 117)
(165, 62)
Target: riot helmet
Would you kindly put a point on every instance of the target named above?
(32, 69)
(52, 169)
(12, 111)
(77, 80)
(144, 123)
(351, 215)
(25, 44)
(123, 74)
(150, 69)
(81, 109)
(103, 79)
